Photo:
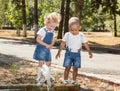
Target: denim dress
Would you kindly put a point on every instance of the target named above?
(41, 53)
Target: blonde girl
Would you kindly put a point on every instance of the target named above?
(45, 42)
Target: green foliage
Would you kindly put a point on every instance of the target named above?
(3, 7)
(92, 13)
(87, 21)
(29, 13)
(97, 12)
(14, 16)
(45, 8)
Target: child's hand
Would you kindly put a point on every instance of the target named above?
(49, 47)
(90, 55)
(58, 55)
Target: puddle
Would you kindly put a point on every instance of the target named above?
(10, 90)
(81, 89)
(34, 87)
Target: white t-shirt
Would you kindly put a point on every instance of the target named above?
(42, 32)
(74, 41)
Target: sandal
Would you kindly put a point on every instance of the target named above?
(65, 82)
(73, 82)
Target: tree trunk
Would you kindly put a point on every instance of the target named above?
(18, 32)
(62, 20)
(24, 18)
(67, 16)
(114, 15)
(35, 18)
(115, 26)
(81, 5)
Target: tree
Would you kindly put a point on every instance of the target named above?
(24, 18)
(77, 8)
(113, 9)
(35, 17)
(62, 20)
(67, 13)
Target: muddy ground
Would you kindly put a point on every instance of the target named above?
(14, 70)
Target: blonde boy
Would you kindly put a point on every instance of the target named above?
(73, 41)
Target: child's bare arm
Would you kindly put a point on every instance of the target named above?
(38, 39)
(88, 49)
(62, 45)
(48, 46)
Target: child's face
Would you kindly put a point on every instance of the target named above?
(51, 25)
(75, 29)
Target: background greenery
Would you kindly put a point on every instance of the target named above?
(95, 15)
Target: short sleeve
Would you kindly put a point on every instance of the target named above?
(41, 32)
(65, 37)
(84, 39)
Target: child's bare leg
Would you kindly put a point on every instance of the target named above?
(40, 63)
(48, 63)
(75, 72)
(66, 73)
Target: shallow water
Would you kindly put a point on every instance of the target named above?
(41, 88)
(81, 89)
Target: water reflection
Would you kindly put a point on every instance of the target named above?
(81, 89)
(84, 89)
(10, 90)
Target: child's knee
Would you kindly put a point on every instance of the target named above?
(67, 68)
(48, 63)
(41, 63)
(75, 68)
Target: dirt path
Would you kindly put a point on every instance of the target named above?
(19, 71)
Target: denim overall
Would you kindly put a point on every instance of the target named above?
(41, 52)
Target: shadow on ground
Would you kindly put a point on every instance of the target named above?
(6, 61)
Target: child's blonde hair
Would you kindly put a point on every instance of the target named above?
(54, 16)
(72, 21)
